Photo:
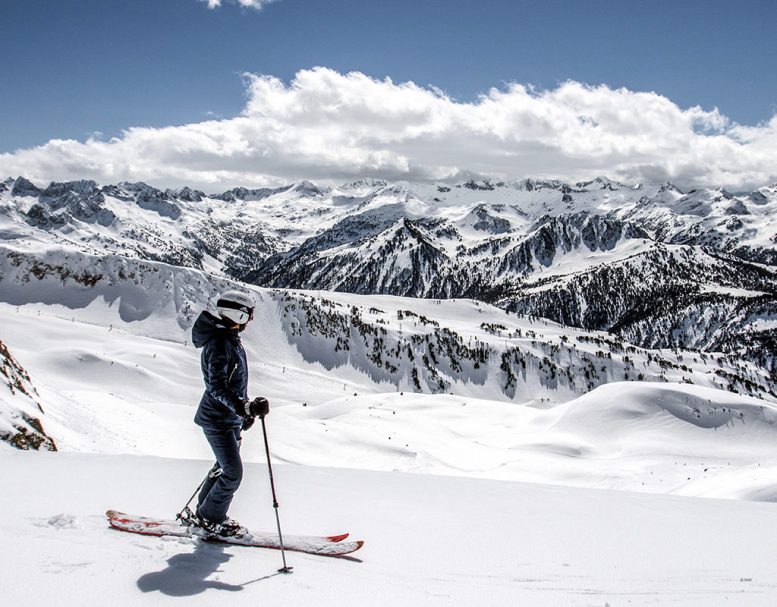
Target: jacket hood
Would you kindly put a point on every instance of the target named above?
(207, 326)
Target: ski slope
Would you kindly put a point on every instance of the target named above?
(113, 387)
(430, 540)
(461, 499)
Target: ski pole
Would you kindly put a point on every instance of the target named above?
(214, 472)
(285, 568)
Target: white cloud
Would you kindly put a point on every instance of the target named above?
(256, 4)
(325, 125)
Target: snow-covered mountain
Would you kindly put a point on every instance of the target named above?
(362, 342)
(417, 345)
(659, 267)
(465, 386)
(374, 381)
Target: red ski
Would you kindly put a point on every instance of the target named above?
(330, 545)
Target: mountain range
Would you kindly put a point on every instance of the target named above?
(654, 265)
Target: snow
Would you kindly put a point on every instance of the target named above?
(633, 493)
(604, 499)
(289, 216)
(430, 540)
(731, 291)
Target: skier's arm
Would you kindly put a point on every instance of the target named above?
(219, 371)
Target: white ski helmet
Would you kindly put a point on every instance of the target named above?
(236, 306)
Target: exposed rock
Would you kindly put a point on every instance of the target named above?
(18, 426)
(152, 201)
(186, 194)
(758, 197)
(24, 187)
(737, 207)
(486, 222)
(247, 195)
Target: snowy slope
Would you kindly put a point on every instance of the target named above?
(396, 419)
(429, 541)
(116, 374)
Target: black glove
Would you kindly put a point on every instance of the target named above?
(259, 407)
(248, 421)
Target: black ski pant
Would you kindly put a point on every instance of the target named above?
(216, 494)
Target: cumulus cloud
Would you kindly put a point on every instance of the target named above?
(330, 126)
(256, 4)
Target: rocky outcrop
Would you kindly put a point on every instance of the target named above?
(20, 413)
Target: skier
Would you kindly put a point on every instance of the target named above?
(224, 410)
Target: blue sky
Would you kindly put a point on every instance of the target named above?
(74, 68)
(71, 68)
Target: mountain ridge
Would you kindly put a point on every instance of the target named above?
(646, 262)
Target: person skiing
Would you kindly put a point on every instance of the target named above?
(224, 410)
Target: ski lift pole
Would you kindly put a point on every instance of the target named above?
(285, 568)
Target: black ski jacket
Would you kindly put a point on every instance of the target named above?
(225, 372)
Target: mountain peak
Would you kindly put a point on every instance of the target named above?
(248, 195)
(83, 187)
(669, 187)
(186, 194)
(25, 187)
(364, 183)
(306, 188)
(601, 183)
(139, 187)
(530, 184)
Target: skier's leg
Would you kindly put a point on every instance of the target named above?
(207, 485)
(225, 445)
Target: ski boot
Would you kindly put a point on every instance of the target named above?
(199, 525)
